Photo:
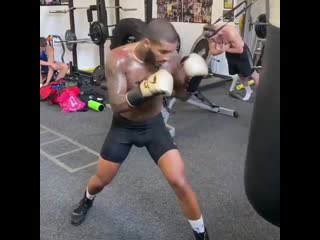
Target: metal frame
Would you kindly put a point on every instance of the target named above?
(199, 100)
(148, 10)
(102, 17)
(73, 29)
(196, 42)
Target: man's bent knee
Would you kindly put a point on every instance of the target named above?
(180, 185)
(106, 171)
(65, 67)
(99, 182)
(62, 66)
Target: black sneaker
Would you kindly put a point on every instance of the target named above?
(79, 214)
(201, 236)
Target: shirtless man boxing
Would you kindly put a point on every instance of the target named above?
(139, 76)
(238, 55)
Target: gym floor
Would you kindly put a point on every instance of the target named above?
(139, 204)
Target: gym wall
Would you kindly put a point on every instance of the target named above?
(189, 32)
(88, 53)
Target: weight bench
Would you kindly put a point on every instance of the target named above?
(198, 99)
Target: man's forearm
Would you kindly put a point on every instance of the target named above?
(215, 51)
(44, 63)
(181, 94)
(49, 76)
(119, 104)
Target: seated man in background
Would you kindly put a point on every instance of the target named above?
(47, 64)
(229, 40)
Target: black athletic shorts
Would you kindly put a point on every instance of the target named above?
(123, 134)
(240, 64)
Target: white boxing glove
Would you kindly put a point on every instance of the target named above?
(196, 68)
(194, 65)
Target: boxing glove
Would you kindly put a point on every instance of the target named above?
(195, 67)
(159, 83)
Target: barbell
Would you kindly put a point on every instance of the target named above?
(97, 32)
(71, 40)
(261, 26)
(74, 8)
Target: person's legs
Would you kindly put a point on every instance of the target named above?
(244, 81)
(256, 77)
(114, 151)
(172, 167)
(166, 155)
(106, 171)
(41, 80)
(240, 65)
(246, 71)
(62, 68)
(43, 74)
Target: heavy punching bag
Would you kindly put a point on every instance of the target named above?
(262, 166)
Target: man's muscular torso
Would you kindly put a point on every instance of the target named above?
(127, 72)
(227, 39)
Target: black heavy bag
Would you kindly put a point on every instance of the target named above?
(127, 30)
(262, 167)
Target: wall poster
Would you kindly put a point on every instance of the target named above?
(192, 11)
(227, 4)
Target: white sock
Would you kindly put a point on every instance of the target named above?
(248, 93)
(197, 225)
(89, 196)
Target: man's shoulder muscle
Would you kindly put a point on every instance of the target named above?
(117, 57)
(233, 34)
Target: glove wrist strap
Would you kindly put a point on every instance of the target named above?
(134, 97)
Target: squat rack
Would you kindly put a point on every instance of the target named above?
(102, 18)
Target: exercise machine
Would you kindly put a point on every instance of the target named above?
(201, 47)
(209, 33)
(50, 40)
(98, 33)
(198, 98)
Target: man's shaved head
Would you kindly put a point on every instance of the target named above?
(161, 30)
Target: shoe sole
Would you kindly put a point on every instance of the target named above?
(74, 223)
(77, 223)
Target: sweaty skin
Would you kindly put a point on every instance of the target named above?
(228, 39)
(124, 72)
